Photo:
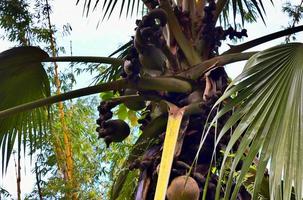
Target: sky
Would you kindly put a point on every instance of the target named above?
(87, 40)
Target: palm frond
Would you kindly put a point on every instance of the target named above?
(248, 10)
(112, 72)
(107, 71)
(22, 79)
(128, 7)
(268, 120)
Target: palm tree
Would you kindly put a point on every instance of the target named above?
(203, 136)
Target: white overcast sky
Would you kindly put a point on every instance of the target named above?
(89, 41)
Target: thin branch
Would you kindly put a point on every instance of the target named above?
(92, 59)
(160, 84)
(198, 70)
(261, 40)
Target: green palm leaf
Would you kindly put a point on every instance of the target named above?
(113, 71)
(129, 6)
(249, 10)
(22, 79)
(268, 121)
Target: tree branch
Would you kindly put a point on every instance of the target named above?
(198, 70)
(160, 84)
(261, 40)
(106, 60)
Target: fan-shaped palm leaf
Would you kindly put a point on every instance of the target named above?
(268, 119)
(22, 79)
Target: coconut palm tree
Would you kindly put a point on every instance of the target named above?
(203, 136)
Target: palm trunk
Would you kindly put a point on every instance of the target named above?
(194, 45)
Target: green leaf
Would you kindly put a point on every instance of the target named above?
(122, 112)
(252, 7)
(22, 80)
(267, 114)
(109, 6)
(107, 95)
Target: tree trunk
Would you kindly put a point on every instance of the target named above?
(18, 174)
(184, 44)
(68, 166)
(38, 181)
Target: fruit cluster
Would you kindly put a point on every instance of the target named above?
(111, 130)
(214, 35)
(146, 51)
(232, 33)
(149, 30)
